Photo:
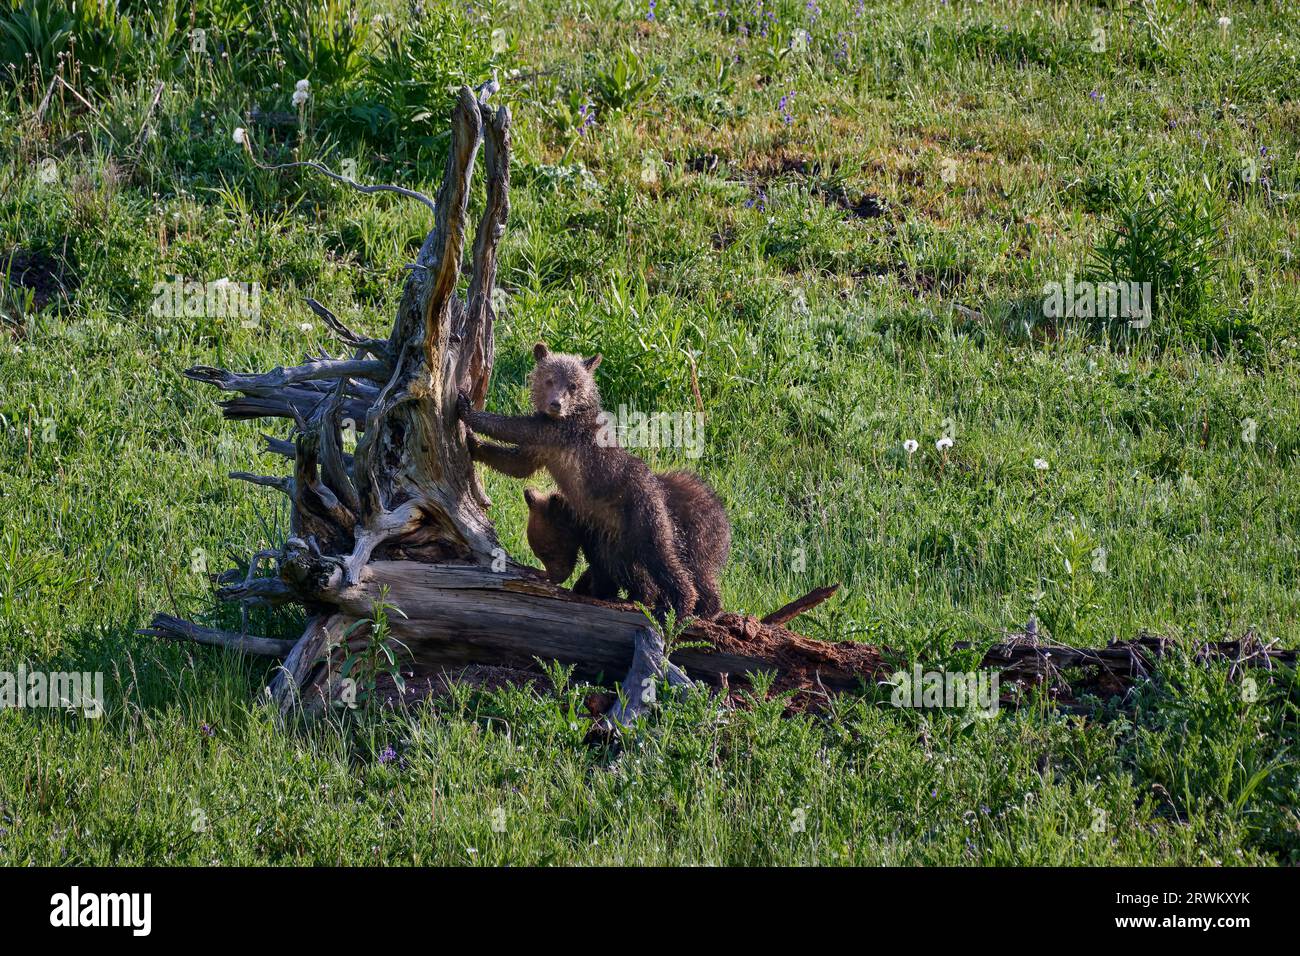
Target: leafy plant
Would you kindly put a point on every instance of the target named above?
(1069, 596)
(1170, 237)
(671, 628)
(36, 34)
(1199, 732)
(571, 114)
(16, 304)
(713, 95)
(626, 82)
(399, 101)
(378, 656)
(321, 40)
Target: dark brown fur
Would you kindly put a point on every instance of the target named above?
(621, 505)
(702, 537)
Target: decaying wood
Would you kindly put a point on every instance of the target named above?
(1069, 673)
(458, 614)
(649, 667)
(306, 663)
(788, 612)
(175, 628)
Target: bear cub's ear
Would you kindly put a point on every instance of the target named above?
(532, 497)
(540, 351)
(590, 363)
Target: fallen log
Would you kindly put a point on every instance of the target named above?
(1067, 674)
(403, 521)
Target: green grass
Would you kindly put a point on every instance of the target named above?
(697, 219)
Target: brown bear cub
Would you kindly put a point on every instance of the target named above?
(702, 537)
(623, 515)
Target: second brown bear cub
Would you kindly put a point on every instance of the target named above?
(663, 538)
(702, 537)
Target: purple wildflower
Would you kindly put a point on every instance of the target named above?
(206, 730)
(784, 107)
(587, 116)
(842, 48)
(388, 755)
(650, 14)
(1097, 97)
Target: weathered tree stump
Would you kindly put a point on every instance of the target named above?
(405, 517)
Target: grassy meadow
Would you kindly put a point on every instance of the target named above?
(837, 220)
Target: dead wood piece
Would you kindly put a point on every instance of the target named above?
(291, 403)
(477, 352)
(296, 682)
(639, 687)
(788, 612)
(1027, 660)
(177, 629)
(263, 592)
(376, 347)
(381, 188)
(273, 382)
(280, 482)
